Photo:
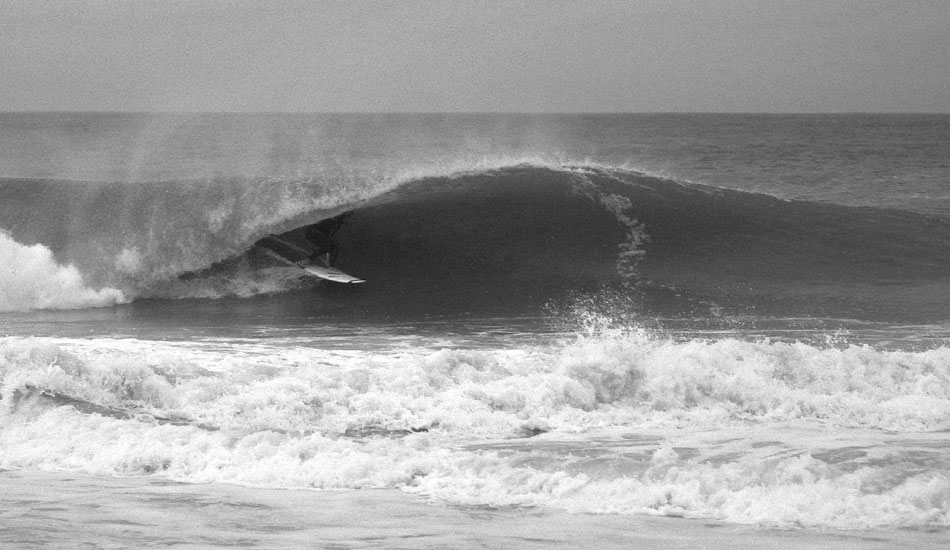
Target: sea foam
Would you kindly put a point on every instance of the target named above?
(765, 433)
(30, 278)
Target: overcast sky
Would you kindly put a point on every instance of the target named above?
(462, 55)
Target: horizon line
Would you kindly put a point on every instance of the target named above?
(515, 113)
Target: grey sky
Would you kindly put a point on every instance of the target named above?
(543, 55)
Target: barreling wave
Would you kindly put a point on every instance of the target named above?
(497, 237)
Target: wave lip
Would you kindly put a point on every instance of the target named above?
(30, 279)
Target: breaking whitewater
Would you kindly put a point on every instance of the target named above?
(565, 337)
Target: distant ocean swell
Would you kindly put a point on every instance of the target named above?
(622, 423)
(510, 237)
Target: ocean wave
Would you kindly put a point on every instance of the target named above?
(496, 236)
(662, 380)
(621, 423)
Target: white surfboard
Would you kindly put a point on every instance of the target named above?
(281, 249)
(329, 273)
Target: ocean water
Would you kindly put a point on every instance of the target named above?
(601, 330)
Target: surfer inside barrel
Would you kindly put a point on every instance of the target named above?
(322, 233)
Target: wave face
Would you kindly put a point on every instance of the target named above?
(771, 434)
(498, 239)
